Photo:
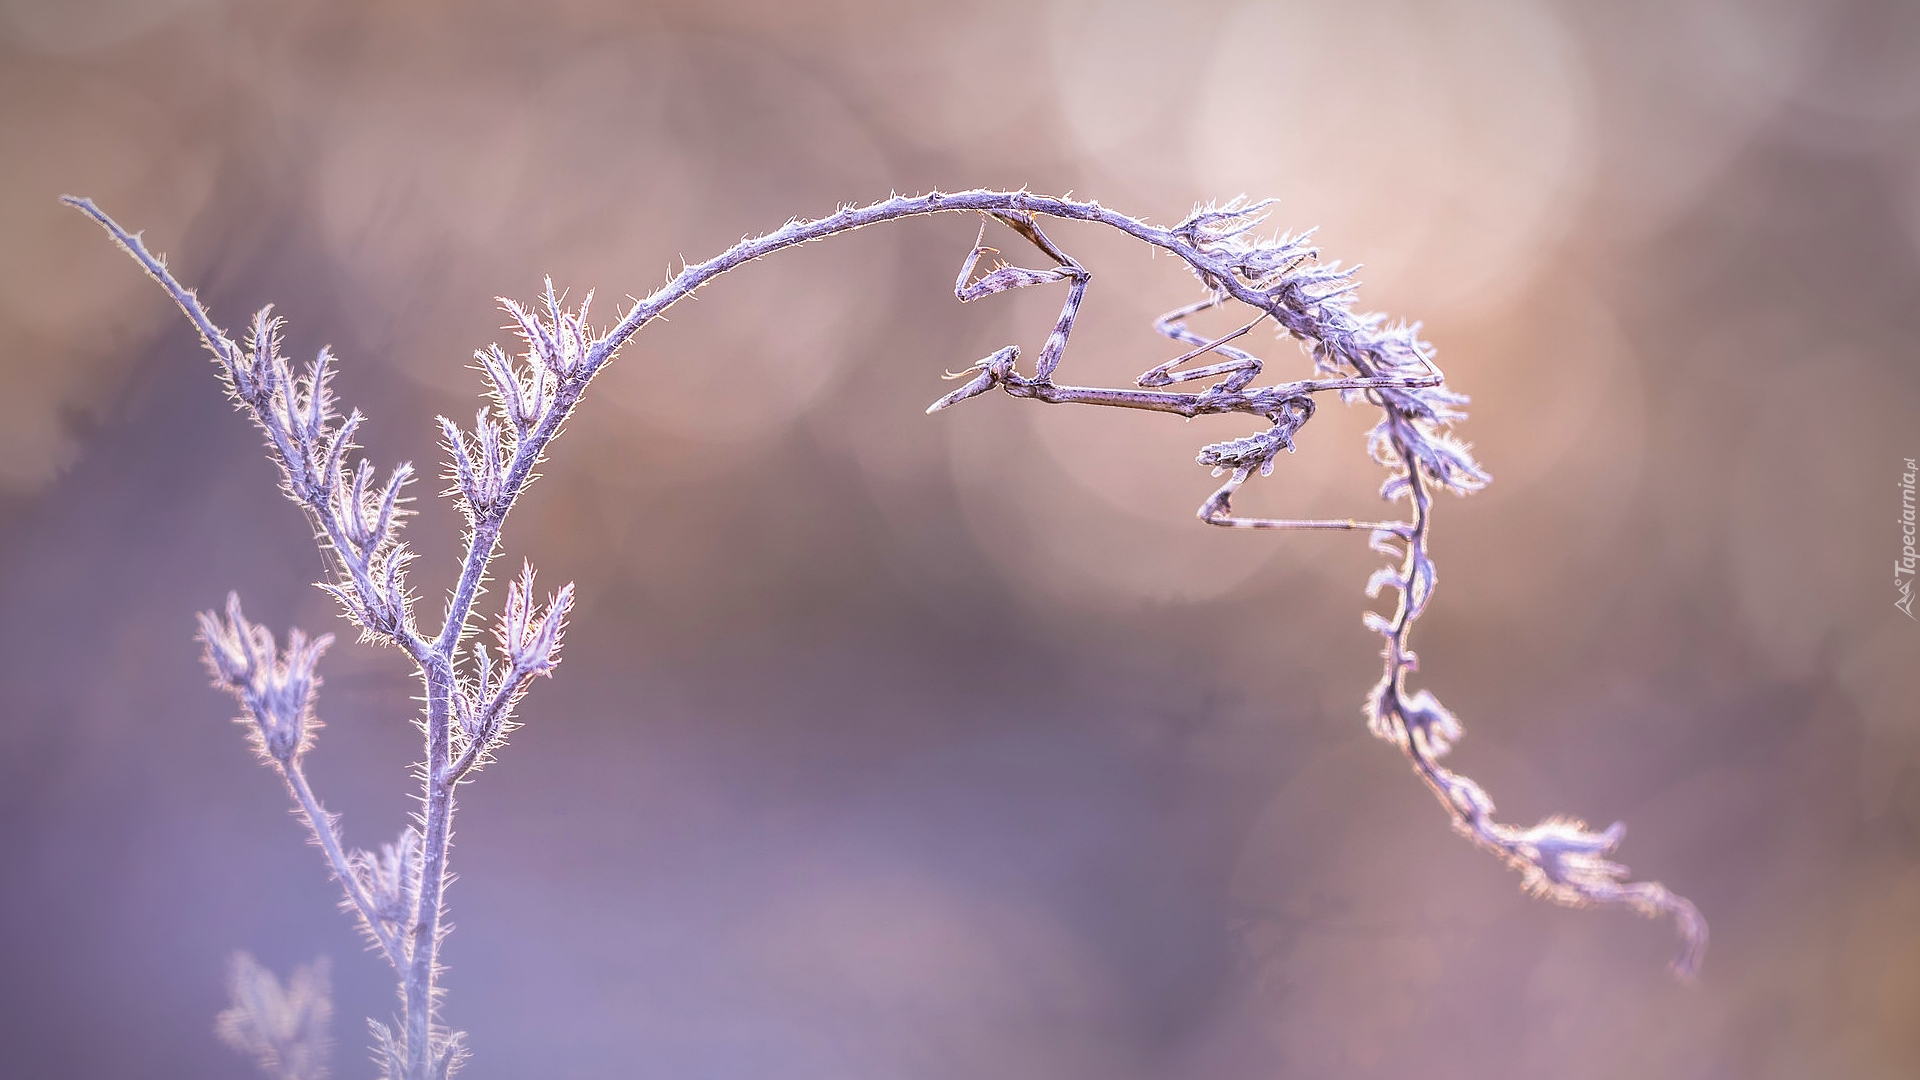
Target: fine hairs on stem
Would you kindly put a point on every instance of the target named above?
(471, 690)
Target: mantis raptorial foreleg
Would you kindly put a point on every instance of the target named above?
(1004, 278)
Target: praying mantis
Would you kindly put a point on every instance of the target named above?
(1287, 406)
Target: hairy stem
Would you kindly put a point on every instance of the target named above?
(322, 825)
(797, 232)
(424, 970)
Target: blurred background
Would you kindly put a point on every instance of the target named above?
(897, 746)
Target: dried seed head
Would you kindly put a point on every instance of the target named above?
(275, 689)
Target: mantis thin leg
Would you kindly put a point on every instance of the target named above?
(1240, 457)
(1218, 510)
(1241, 366)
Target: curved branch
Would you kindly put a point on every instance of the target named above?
(1310, 306)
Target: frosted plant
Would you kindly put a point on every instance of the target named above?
(471, 691)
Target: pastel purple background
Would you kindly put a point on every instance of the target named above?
(896, 746)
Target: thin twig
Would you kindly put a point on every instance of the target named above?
(321, 823)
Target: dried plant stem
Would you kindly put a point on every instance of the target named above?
(1557, 859)
(470, 696)
(327, 836)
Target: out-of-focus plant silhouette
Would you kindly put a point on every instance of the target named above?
(283, 1028)
(471, 691)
